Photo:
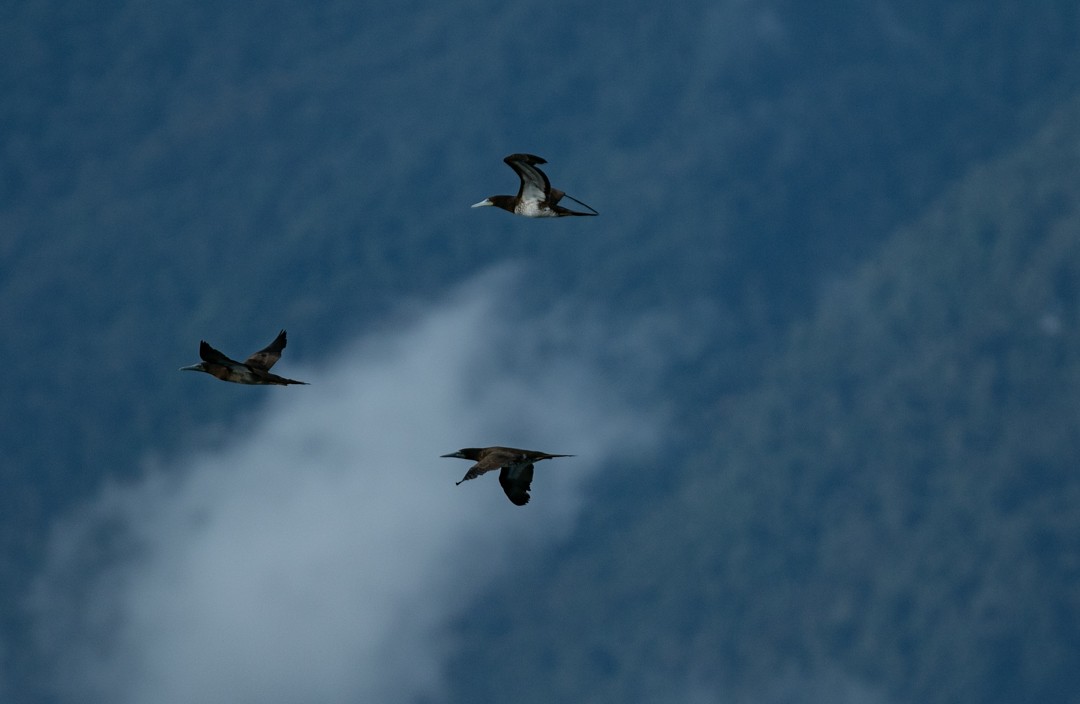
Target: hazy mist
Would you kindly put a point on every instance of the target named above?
(319, 554)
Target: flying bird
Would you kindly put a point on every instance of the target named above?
(535, 197)
(253, 370)
(515, 467)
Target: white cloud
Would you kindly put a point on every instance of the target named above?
(320, 556)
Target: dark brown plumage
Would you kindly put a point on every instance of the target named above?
(253, 370)
(535, 197)
(515, 467)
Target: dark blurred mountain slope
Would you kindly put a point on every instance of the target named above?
(894, 508)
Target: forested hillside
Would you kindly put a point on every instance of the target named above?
(892, 514)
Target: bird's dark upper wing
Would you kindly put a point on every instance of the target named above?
(493, 458)
(516, 480)
(269, 355)
(209, 354)
(496, 457)
(534, 182)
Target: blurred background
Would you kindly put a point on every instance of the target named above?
(817, 358)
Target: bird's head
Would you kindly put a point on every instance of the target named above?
(466, 453)
(507, 203)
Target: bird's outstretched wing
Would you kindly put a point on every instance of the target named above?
(269, 355)
(534, 182)
(495, 458)
(209, 354)
(516, 480)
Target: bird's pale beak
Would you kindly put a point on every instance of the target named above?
(192, 368)
(453, 454)
(486, 201)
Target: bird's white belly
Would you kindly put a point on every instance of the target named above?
(533, 209)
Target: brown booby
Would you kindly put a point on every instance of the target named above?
(535, 197)
(515, 467)
(253, 370)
